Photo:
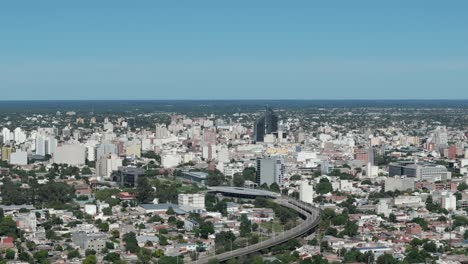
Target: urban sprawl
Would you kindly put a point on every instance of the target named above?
(379, 185)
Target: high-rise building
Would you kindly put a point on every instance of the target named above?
(19, 158)
(440, 136)
(73, 154)
(6, 152)
(7, 136)
(449, 202)
(452, 152)
(107, 164)
(269, 170)
(45, 145)
(267, 124)
(161, 131)
(19, 135)
(105, 149)
(40, 145)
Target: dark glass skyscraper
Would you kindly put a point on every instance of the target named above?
(267, 124)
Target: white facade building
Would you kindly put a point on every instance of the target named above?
(7, 135)
(306, 192)
(449, 202)
(70, 154)
(196, 200)
(19, 135)
(19, 158)
(107, 164)
(170, 160)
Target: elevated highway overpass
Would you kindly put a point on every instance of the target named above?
(309, 213)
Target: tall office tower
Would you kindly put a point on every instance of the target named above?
(40, 145)
(19, 135)
(105, 149)
(440, 136)
(51, 145)
(45, 145)
(269, 170)
(209, 136)
(267, 124)
(371, 156)
(161, 131)
(6, 135)
(107, 164)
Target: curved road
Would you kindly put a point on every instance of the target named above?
(311, 217)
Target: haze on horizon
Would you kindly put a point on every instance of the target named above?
(82, 50)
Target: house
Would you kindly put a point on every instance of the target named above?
(190, 225)
(143, 239)
(96, 241)
(258, 215)
(26, 222)
(232, 208)
(6, 242)
(187, 247)
(83, 190)
(126, 196)
(413, 229)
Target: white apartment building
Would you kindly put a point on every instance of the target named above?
(195, 200)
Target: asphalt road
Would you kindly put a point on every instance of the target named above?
(311, 219)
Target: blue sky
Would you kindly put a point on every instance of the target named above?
(233, 49)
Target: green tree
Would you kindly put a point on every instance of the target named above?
(392, 218)
(131, 243)
(112, 257)
(462, 186)
(8, 227)
(249, 174)
(206, 228)
(107, 211)
(110, 245)
(144, 190)
(274, 187)
(430, 247)
(144, 255)
(41, 256)
(214, 179)
(91, 259)
(422, 222)
(324, 186)
(73, 254)
(104, 227)
(24, 256)
(245, 226)
(351, 229)
(86, 171)
(90, 252)
(10, 254)
(170, 211)
(295, 177)
(238, 180)
(386, 259)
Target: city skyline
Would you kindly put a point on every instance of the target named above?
(212, 50)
